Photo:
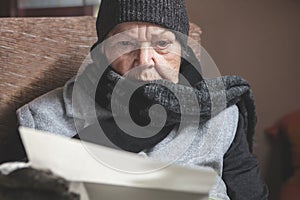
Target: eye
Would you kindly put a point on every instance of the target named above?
(162, 44)
(125, 43)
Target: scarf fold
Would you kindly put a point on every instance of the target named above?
(178, 101)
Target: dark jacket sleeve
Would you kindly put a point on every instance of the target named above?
(241, 172)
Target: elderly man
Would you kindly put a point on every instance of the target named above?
(143, 44)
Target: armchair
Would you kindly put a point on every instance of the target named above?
(36, 56)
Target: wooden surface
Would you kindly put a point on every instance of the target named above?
(57, 12)
(36, 56)
(41, 53)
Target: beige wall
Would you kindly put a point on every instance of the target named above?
(259, 40)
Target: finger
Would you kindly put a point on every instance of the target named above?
(25, 194)
(29, 178)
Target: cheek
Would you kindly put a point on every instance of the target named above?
(122, 64)
(175, 62)
(172, 61)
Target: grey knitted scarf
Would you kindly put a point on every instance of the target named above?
(236, 89)
(210, 94)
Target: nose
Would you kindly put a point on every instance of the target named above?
(144, 56)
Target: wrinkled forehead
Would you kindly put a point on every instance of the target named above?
(142, 31)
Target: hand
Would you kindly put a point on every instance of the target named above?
(29, 183)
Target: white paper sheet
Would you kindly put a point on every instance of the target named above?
(72, 160)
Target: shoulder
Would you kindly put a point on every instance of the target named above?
(47, 113)
(226, 122)
(49, 100)
(214, 137)
(230, 114)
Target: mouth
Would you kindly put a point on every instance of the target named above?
(143, 73)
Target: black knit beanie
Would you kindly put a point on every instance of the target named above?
(171, 14)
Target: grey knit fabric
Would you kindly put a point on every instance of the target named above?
(213, 95)
(171, 14)
(207, 148)
(53, 112)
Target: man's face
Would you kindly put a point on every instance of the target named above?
(144, 51)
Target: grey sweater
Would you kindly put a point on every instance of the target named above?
(206, 144)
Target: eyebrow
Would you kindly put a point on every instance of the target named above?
(122, 30)
(163, 33)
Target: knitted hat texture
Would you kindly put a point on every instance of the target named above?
(171, 14)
